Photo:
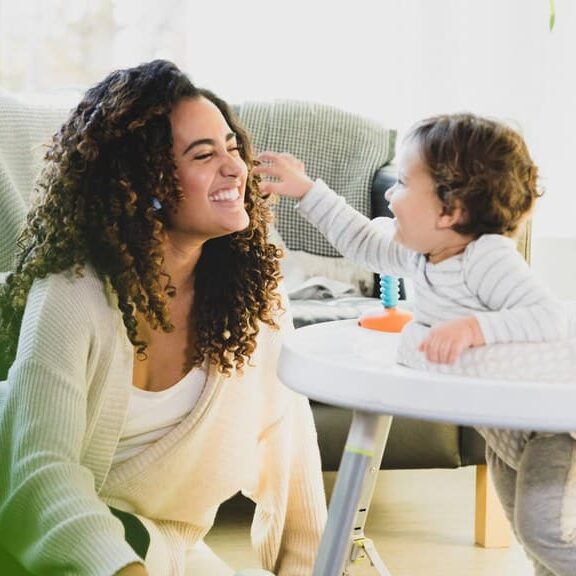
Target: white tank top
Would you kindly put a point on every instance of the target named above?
(151, 415)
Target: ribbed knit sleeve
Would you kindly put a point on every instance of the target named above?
(521, 308)
(306, 505)
(290, 505)
(290, 502)
(367, 242)
(51, 519)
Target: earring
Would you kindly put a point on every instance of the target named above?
(156, 204)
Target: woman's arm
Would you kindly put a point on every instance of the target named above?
(290, 502)
(291, 505)
(51, 518)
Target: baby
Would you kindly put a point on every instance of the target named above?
(465, 185)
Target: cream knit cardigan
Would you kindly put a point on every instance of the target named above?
(61, 415)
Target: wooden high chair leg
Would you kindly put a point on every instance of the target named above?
(491, 527)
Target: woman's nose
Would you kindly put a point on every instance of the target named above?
(233, 165)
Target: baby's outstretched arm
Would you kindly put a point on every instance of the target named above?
(290, 174)
(370, 243)
(448, 340)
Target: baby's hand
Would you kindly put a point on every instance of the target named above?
(446, 342)
(288, 170)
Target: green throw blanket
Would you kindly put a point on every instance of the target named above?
(25, 129)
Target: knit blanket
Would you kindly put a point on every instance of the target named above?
(25, 129)
(343, 149)
(527, 361)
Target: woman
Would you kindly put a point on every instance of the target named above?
(148, 317)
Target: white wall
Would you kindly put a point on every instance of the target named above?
(398, 61)
(553, 260)
(392, 60)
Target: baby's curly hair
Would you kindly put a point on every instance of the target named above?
(481, 165)
(105, 172)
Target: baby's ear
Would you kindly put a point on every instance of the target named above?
(452, 215)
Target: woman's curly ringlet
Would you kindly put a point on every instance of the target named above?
(105, 172)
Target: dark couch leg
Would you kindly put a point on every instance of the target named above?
(491, 527)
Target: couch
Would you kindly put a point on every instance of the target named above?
(351, 154)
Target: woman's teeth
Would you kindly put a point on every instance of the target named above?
(225, 196)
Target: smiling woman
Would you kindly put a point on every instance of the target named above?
(210, 170)
(142, 323)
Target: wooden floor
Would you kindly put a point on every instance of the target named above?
(421, 523)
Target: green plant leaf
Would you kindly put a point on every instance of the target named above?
(552, 19)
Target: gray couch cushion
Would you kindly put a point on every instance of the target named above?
(343, 149)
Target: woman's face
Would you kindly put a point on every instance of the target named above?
(211, 172)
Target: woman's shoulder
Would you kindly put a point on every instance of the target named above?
(81, 281)
(77, 291)
(68, 316)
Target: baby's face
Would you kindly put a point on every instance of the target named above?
(421, 224)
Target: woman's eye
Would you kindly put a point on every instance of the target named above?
(203, 156)
(207, 155)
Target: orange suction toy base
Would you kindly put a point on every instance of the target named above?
(389, 320)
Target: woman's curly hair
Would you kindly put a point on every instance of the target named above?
(482, 166)
(105, 172)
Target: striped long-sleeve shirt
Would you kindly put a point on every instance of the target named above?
(489, 279)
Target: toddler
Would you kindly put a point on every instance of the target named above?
(465, 185)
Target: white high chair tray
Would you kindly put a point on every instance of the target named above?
(346, 365)
(343, 364)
